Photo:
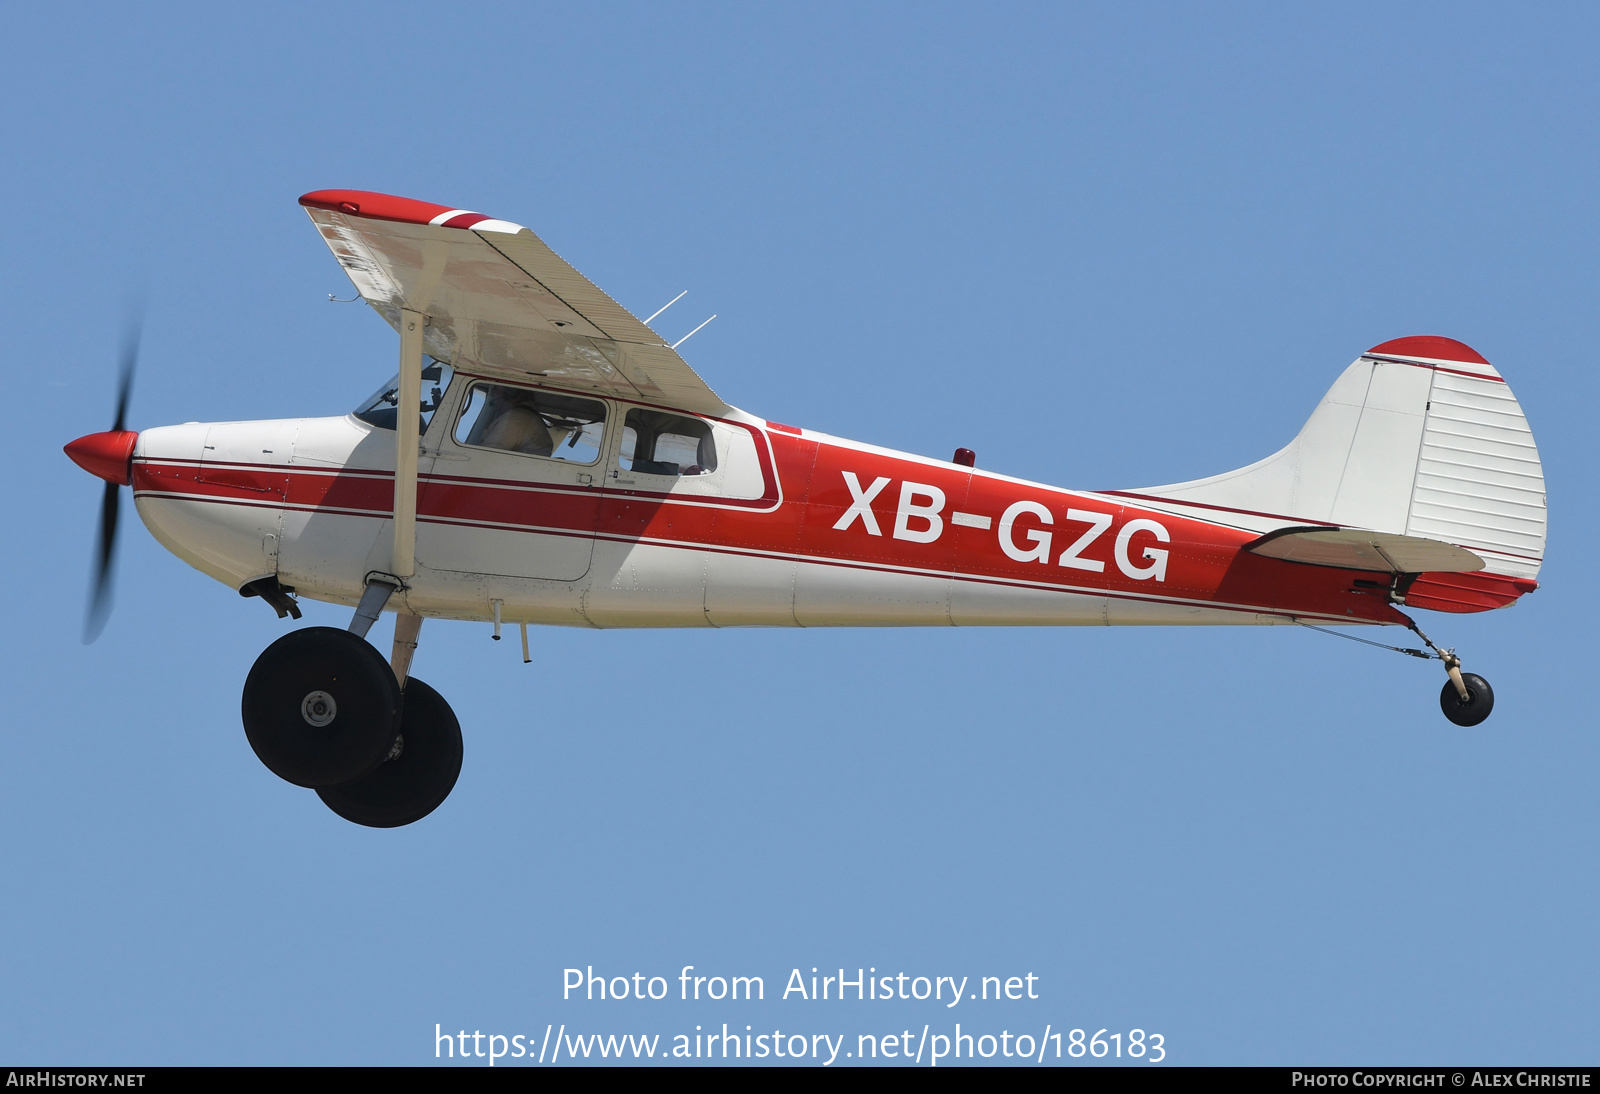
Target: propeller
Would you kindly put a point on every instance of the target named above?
(108, 455)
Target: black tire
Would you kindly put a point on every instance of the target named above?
(1479, 704)
(316, 673)
(418, 780)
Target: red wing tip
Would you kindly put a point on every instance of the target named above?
(365, 203)
(1431, 346)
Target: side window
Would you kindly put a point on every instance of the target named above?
(657, 443)
(533, 423)
(380, 409)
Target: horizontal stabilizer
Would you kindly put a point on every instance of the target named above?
(1354, 549)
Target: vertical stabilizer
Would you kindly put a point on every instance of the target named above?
(1419, 437)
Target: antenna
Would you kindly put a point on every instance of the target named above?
(667, 305)
(690, 335)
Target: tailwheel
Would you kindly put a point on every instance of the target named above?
(1475, 707)
(420, 770)
(1467, 698)
(321, 707)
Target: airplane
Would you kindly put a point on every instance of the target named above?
(544, 457)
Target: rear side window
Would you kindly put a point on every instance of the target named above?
(533, 423)
(657, 443)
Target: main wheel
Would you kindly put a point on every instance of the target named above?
(1480, 700)
(321, 707)
(417, 778)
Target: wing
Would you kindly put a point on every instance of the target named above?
(498, 300)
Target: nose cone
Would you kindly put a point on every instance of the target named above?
(106, 455)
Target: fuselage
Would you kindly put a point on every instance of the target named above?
(789, 527)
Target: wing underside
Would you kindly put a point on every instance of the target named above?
(498, 300)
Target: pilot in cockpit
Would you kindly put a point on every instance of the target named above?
(512, 422)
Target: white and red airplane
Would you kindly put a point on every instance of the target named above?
(557, 462)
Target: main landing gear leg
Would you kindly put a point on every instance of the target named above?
(406, 629)
(373, 598)
(1466, 699)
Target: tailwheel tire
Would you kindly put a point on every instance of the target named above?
(321, 707)
(419, 776)
(1479, 703)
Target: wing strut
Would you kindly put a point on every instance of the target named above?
(403, 559)
(407, 437)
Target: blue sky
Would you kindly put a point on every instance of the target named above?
(1102, 245)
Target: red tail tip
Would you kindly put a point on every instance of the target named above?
(1431, 346)
(106, 455)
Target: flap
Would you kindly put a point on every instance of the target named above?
(1353, 549)
(498, 300)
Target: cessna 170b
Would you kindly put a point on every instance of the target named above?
(545, 457)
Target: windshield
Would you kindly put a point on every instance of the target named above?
(380, 409)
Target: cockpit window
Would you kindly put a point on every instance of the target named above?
(380, 409)
(534, 423)
(657, 443)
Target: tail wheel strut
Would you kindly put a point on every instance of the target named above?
(1466, 698)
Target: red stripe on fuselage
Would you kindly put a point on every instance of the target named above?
(1204, 565)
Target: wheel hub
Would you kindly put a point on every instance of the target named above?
(318, 709)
